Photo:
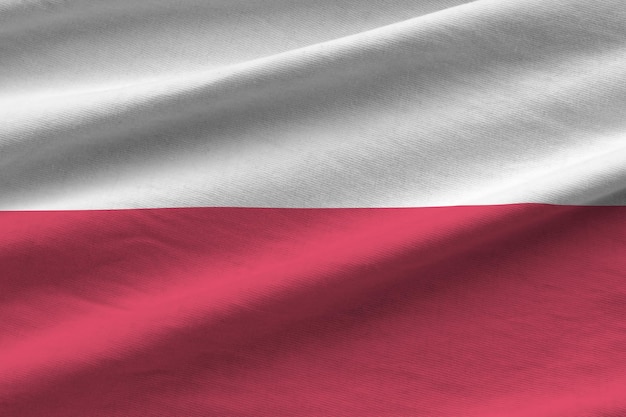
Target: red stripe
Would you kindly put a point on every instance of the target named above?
(486, 311)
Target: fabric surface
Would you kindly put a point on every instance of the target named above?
(313, 208)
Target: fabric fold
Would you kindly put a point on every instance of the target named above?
(208, 291)
(312, 208)
(370, 120)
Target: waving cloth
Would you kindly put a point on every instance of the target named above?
(312, 208)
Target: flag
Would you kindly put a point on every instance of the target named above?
(312, 208)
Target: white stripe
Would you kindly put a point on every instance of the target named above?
(490, 102)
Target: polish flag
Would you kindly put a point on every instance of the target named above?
(312, 208)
